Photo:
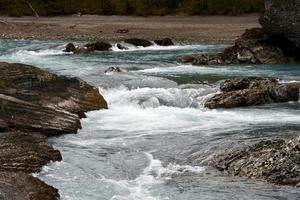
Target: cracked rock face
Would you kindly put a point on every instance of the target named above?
(282, 17)
(276, 161)
(35, 104)
(251, 91)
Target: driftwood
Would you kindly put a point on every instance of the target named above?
(33, 10)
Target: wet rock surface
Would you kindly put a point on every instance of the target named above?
(138, 42)
(35, 104)
(241, 92)
(164, 42)
(88, 48)
(276, 161)
(21, 186)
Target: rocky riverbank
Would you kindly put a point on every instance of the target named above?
(277, 42)
(35, 104)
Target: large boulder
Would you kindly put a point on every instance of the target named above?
(98, 46)
(282, 17)
(252, 91)
(138, 42)
(253, 47)
(276, 161)
(70, 48)
(90, 47)
(164, 42)
(22, 115)
(34, 85)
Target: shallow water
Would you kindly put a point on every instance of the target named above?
(156, 137)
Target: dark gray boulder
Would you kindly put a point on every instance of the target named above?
(164, 42)
(138, 42)
(98, 46)
(70, 48)
(113, 69)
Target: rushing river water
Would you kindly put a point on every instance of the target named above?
(155, 139)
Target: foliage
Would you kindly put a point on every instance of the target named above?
(131, 7)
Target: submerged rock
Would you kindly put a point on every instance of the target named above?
(70, 48)
(138, 42)
(252, 91)
(276, 161)
(121, 47)
(113, 69)
(164, 42)
(98, 46)
(90, 47)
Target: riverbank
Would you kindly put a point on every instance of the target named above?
(224, 29)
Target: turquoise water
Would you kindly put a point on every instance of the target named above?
(155, 138)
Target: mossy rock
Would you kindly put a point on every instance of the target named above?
(2, 84)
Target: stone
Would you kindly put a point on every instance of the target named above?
(50, 121)
(253, 47)
(22, 186)
(98, 46)
(113, 69)
(121, 47)
(138, 42)
(30, 153)
(36, 86)
(70, 48)
(282, 17)
(276, 161)
(252, 91)
(164, 42)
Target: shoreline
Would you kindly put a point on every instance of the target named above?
(192, 29)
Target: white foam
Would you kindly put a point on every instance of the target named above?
(155, 47)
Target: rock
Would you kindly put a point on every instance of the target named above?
(121, 47)
(30, 153)
(138, 42)
(277, 42)
(164, 42)
(98, 46)
(34, 85)
(276, 161)
(252, 91)
(70, 48)
(254, 47)
(35, 104)
(113, 69)
(21, 186)
(282, 18)
(15, 113)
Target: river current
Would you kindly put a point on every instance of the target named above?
(154, 141)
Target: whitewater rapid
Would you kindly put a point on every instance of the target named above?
(155, 139)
